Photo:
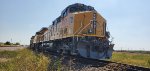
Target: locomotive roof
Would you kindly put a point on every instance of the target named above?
(77, 7)
(32, 37)
(44, 29)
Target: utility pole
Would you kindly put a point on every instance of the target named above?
(11, 40)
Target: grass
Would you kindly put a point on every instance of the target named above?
(55, 65)
(7, 54)
(138, 59)
(22, 60)
(27, 60)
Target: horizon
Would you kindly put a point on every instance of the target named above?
(127, 21)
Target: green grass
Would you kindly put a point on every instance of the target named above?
(132, 58)
(22, 60)
(7, 54)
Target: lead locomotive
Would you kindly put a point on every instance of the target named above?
(79, 30)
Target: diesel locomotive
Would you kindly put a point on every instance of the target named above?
(79, 30)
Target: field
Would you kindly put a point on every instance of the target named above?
(138, 59)
(23, 60)
(27, 60)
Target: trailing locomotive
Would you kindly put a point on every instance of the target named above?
(79, 30)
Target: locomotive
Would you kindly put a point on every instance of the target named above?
(80, 30)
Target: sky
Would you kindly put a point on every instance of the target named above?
(127, 20)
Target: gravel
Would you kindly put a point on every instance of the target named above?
(71, 64)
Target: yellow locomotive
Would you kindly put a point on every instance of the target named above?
(79, 30)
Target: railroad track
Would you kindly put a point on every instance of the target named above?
(109, 64)
(75, 63)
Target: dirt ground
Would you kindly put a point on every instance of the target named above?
(10, 48)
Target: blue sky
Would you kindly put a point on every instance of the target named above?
(128, 20)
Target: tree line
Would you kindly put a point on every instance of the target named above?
(9, 43)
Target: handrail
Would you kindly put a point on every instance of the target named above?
(84, 28)
(79, 28)
(81, 25)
